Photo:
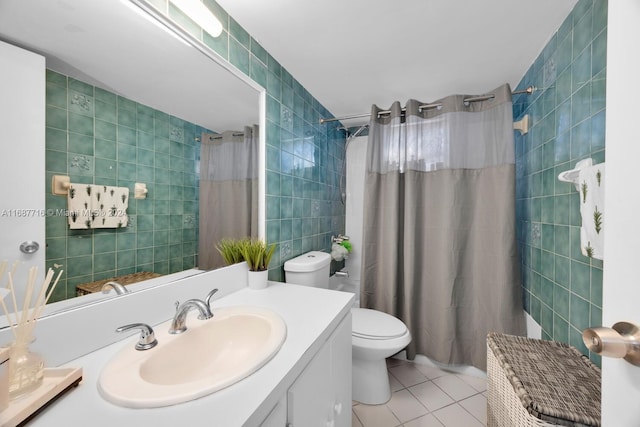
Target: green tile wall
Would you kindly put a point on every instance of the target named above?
(562, 289)
(303, 158)
(97, 137)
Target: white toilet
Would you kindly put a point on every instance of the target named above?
(374, 335)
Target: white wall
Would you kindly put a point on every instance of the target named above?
(621, 284)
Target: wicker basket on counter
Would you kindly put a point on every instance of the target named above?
(540, 383)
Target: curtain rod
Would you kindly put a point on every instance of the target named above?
(528, 91)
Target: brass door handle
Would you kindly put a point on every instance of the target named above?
(620, 341)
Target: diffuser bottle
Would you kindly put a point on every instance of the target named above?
(26, 369)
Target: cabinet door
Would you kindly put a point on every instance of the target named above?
(341, 373)
(309, 400)
(278, 415)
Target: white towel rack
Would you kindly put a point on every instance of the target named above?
(572, 175)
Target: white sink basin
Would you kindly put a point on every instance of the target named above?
(210, 355)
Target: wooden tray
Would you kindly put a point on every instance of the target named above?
(55, 383)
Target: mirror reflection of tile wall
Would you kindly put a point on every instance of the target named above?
(97, 137)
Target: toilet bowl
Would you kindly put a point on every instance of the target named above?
(374, 335)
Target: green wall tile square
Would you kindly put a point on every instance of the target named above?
(274, 86)
(239, 56)
(79, 265)
(561, 209)
(219, 44)
(81, 144)
(80, 164)
(56, 96)
(581, 69)
(56, 139)
(145, 122)
(561, 301)
(126, 259)
(548, 237)
(80, 87)
(562, 240)
(580, 279)
(104, 241)
(239, 33)
(105, 149)
(81, 103)
(563, 271)
(596, 286)
(560, 329)
(259, 74)
(106, 111)
(258, 51)
(127, 153)
(56, 248)
(105, 168)
(55, 78)
(580, 313)
(81, 124)
(598, 131)
(546, 319)
(104, 262)
(56, 117)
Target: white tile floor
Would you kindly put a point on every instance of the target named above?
(423, 396)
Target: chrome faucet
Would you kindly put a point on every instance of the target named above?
(120, 290)
(178, 325)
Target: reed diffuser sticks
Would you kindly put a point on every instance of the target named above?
(25, 367)
(23, 321)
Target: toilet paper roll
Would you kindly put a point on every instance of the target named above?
(605, 342)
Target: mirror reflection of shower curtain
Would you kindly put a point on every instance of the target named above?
(228, 191)
(439, 246)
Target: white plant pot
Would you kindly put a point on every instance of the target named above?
(257, 279)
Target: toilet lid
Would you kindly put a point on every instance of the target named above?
(373, 324)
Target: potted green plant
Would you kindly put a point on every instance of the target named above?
(257, 254)
(230, 249)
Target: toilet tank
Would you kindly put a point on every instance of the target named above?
(310, 269)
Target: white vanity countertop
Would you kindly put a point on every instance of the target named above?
(310, 314)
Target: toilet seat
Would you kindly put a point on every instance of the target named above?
(375, 325)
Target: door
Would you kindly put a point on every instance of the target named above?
(621, 287)
(22, 171)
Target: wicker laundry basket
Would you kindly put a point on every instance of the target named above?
(540, 383)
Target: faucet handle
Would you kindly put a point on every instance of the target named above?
(147, 337)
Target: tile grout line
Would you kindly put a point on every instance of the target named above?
(477, 392)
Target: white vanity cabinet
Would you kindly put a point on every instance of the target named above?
(321, 395)
(306, 384)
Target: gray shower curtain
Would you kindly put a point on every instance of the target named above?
(439, 225)
(228, 192)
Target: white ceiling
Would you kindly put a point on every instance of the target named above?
(352, 53)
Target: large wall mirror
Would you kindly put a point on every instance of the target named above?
(128, 101)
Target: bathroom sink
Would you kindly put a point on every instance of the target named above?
(208, 356)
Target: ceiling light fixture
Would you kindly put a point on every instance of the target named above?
(201, 15)
(136, 8)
